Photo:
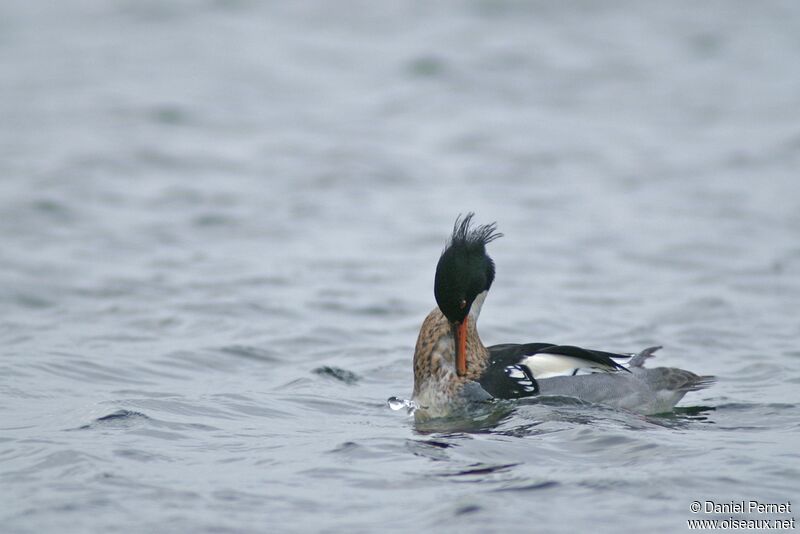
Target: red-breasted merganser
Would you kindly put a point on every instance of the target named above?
(452, 366)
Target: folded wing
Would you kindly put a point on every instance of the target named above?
(514, 369)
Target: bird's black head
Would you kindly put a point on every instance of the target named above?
(464, 270)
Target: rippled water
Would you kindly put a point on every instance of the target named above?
(219, 223)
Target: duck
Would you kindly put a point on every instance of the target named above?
(453, 368)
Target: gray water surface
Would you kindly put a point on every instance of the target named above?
(219, 223)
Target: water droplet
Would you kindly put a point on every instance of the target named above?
(396, 403)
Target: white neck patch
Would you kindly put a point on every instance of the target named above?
(477, 304)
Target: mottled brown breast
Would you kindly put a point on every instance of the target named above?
(434, 355)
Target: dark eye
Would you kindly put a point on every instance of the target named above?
(462, 304)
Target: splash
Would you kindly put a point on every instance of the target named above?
(396, 404)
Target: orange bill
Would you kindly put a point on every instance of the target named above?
(461, 347)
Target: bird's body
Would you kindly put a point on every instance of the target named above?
(452, 366)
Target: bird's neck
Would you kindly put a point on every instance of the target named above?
(435, 354)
